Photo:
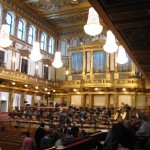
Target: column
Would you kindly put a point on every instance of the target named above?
(107, 100)
(90, 100)
(92, 66)
(82, 100)
(69, 100)
(133, 100)
(116, 100)
(33, 99)
(10, 103)
(83, 72)
(23, 98)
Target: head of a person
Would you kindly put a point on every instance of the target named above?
(42, 124)
(28, 134)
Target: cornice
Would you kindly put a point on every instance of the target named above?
(31, 15)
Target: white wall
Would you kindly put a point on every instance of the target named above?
(76, 100)
(17, 61)
(140, 101)
(16, 100)
(126, 99)
(99, 100)
(29, 99)
(60, 73)
(31, 68)
(9, 59)
(40, 69)
(51, 73)
(4, 96)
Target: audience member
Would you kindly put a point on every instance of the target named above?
(28, 143)
(39, 134)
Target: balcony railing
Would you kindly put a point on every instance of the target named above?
(24, 78)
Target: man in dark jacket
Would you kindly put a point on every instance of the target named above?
(39, 134)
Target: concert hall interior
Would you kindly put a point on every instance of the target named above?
(76, 66)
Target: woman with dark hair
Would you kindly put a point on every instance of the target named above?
(28, 143)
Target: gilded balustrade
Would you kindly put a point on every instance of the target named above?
(24, 78)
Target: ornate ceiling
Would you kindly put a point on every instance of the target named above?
(63, 14)
(130, 22)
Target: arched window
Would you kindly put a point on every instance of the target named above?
(31, 34)
(51, 46)
(75, 42)
(43, 41)
(87, 40)
(21, 27)
(63, 47)
(9, 22)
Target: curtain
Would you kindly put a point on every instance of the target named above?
(77, 63)
(99, 61)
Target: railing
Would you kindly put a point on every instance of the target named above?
(24, 78)
(116, 83)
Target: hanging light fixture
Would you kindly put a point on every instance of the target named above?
(35, 53)
(93, 26)
(57, 63)
(121, 56)
(110, 45)
(4, 36)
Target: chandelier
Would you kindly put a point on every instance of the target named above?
(93, 26)
(110, 45)
(57, 63)
(121, 56)
(4, 36)
(35, 53)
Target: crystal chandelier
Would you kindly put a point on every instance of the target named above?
(93, 26)
(35, 53)
(4, 36)
(57, 63)
(110, 45)
(121, 56)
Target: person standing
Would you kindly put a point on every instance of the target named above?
(39, 134)
(28, 143)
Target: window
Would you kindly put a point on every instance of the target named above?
(87, 40)
(31, 35)
(21, 26)
(75, 42)
(43, 41)
(51, 46)
(2, 57)
(9, 22)
(24, 66)
(45, 72)
(63, 47)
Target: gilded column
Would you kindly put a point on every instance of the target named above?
(116, 100)
(90, 100)
(10, 104)
(133, 100)
(82, 100)
(23, 99)
(107, 100)
(33, 99)
(83, 72)
(92, 66)
(116, 69)
(69, 100)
